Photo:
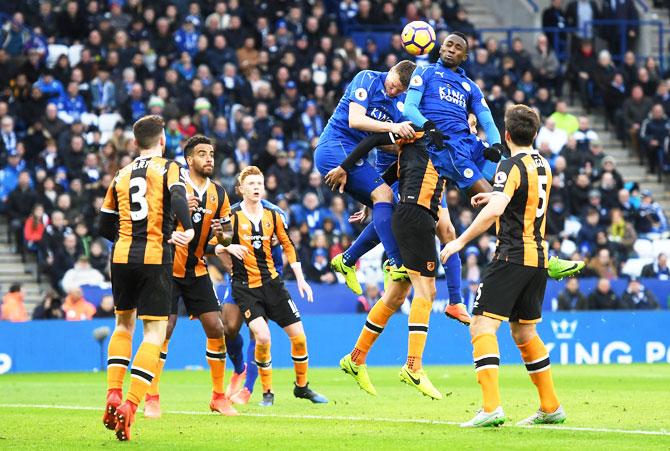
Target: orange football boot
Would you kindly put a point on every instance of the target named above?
(152, 406)
(458, 312)
(114, 399)
(125, 417)
(220, 403)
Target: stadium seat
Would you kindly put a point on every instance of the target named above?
(633, 267)
(644, 248)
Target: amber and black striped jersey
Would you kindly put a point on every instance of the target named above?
(140, 196)
(419, 182)
(214, 204)
(525, 179)
(258, 266)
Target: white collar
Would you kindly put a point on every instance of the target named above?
(187, 176)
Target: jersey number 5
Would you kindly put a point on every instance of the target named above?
(139, 208)
(541, 195)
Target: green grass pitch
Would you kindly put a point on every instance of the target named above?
(609, 407)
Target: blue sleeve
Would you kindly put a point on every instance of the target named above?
(362, 84)
(278, 259)
(417, 85)
(481, 109)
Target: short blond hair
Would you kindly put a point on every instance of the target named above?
(246, 172)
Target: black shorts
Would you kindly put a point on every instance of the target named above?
(269, 301)
(197, 293)
(414, 231)
(511, 292)
(147, 288)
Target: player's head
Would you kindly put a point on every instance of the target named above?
(521, 125)
(472, 122)
(149, 132)
(252, 184)
(454, 49)
(199, 154)
(397, 80)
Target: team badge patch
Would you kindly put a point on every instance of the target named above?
(212, 198)
(468, 173)
(247, 314)
(361, 94)
(466, 86)
(430, 266)
(501, 178)
(416, 81)
(400, 106)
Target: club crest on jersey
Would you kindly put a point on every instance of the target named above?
(452, 96)
(247, 314)
(361, 94)
(416, 81)
(430, 266)
(400, 106)
(466, 86)
(468, 173)
(212, 198)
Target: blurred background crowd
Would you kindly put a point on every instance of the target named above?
(261, 79)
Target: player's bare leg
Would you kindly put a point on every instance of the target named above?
(412, 372)
(152, 406)
(263, 358)
(354, 363)
(232, 323)
(144, 367)
(216, 358)
(536, 358)
(119, 352)
(446, 232)
(486, 355)
(296, 333)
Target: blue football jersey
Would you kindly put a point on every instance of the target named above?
(447, 97)
(366, 89)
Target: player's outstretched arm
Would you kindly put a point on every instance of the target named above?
(359, 120)
(484, 220)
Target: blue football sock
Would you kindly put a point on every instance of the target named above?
(252, 369)
(235, 352)
(367, 240)
(452, 269)
(381, 218)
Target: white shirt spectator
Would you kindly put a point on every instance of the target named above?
(81, 274)
(554, 136)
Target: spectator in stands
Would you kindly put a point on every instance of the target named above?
(462, 24)
(546, 65)
(579, 193)
(571, 298)
(634, 112)
(637, 297)
(76, 307)
(369, 298)
(82, 273)
(579, 14)
(20, 203)
(585, 135)
(657, 270)
(62, 258)
(544, 103)
(603, 74)
(13, 308)
(554, 18)
(34, 228)
(471, 271)
(564, 120)
(586, 239)
(652, 218)
(603, 297)
(602, 265)
(581, 71)
(620, 10)
(653, 133)
(555, 137)
(106, 307)
(49, 308)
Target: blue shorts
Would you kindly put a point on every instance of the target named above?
(461, 161)
(362, 179)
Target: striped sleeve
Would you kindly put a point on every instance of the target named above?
(174, 177)
(508, 178)
(109, 205)
(284, 240)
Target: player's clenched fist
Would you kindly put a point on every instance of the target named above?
(193, 203)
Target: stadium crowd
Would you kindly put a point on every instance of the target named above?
(262, 79)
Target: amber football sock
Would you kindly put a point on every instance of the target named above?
(300, 359)
(143, 371)
(419, 315)
(118, 358)
(216, 358)
(487, 362)
(536, 358)
(153, 390)
(374, 325)
(264, 364)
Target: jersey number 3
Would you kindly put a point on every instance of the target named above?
(139, 207)
(542, 181)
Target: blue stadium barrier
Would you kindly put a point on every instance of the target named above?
(338, 299)
(572, 338)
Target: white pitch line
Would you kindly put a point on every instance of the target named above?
(347, 418)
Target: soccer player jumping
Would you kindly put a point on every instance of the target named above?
(515, 281)
(438, 100)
